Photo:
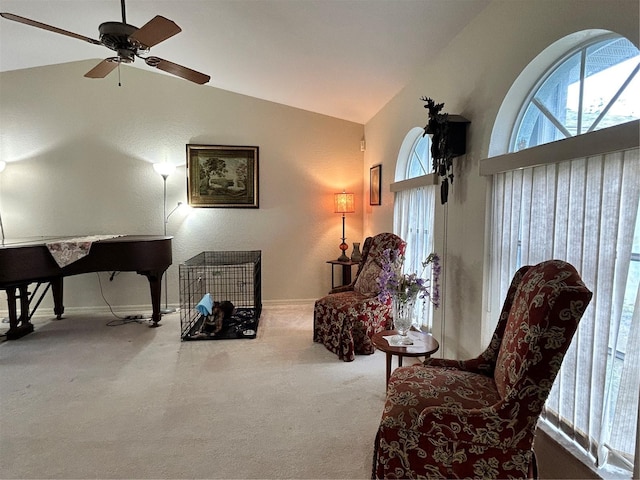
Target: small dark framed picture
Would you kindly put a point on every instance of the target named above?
(222, 176)
(375, 181)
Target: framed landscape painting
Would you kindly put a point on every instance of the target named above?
(222, 176)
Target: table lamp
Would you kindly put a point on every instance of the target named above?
(344, 203)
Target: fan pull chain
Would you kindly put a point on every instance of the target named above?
(119, 84)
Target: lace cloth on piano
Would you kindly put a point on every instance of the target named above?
(68, 251)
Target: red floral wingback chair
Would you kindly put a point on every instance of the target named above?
(477, 418)
(346, 319)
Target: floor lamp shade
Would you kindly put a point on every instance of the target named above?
(344, 203)
(164, 169)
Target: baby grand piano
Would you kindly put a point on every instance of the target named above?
(29, 261)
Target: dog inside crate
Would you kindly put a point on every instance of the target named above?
(230, 280)
(221, 318)
(213, 320)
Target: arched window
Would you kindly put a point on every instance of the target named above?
(414, 206)
(593, 86)
(569, 189)
(420, 158)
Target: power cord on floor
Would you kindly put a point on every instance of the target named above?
(119, 320)
(113, 323)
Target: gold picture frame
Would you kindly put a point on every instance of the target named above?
(222, 176)
(375, 183)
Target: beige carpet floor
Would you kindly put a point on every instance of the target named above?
(80, 399)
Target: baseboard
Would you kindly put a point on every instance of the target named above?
(145, 310)
(280, 303)
(46, 312)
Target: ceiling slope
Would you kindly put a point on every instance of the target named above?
(343, 58)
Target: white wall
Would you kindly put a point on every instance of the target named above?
(472, 76)
(80, 154)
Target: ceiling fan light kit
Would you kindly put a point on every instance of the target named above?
(128, 42)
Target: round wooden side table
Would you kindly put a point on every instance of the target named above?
(424, 346)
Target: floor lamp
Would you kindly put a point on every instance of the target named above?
(165, 169)
(3, 164)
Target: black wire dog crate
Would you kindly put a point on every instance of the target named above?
(227, 277)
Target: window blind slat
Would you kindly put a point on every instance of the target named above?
(583, 211)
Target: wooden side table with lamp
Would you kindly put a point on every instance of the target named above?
(346, 271)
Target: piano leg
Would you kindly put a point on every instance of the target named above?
(18, 327)
(155, 284)
(57, 291)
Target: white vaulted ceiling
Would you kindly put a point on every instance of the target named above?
(344, 58)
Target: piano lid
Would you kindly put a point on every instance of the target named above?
(35, 241)
(30, 241)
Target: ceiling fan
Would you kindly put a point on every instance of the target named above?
(128, 42)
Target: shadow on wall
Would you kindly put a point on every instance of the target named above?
(88, 187)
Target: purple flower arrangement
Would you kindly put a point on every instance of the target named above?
(393, 283)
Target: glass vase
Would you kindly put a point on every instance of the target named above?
(403, 306)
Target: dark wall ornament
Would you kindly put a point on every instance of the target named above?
(448, 140)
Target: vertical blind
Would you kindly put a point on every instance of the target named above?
(583, 211)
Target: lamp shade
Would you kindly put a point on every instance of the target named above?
(3, 164)
(344, 202)
(165, 168)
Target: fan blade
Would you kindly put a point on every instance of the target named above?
(103, 69)
(178, 70)
(44, 26)
(156, 30)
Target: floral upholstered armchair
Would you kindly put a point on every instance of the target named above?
(345, 320)
(477, 418)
